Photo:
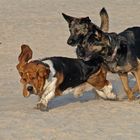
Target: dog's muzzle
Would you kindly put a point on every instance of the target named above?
(29, 90)
(82, 54)
(75, 40)
(71, 42)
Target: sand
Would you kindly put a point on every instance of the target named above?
(39, 23)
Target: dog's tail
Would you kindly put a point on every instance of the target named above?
(104, 20)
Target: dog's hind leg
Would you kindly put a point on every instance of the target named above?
(135, 88)
(137, 76)
(124, 79)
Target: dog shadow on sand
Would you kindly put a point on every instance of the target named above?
(91, 95)
(69, 99)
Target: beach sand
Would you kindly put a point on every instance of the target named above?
(39, 24)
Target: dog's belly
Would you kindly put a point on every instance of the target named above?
(138, 61)
(71, 82)
(114, 68)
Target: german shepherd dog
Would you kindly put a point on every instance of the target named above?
(80, 27)
(121, 53)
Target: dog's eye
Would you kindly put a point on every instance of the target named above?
(21, 73)
(33, 78)
(24, 79)
(76, 30)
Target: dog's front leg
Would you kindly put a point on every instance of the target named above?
(48, 95)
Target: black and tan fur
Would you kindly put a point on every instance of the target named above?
(121, 53)
(80, 27)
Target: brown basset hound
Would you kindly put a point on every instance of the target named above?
(52, 76)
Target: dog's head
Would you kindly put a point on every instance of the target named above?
(33, 74)
(78, 28)
(95, 42)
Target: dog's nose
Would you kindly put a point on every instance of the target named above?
(30, 88)
(71, 42)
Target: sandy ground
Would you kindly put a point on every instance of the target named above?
(39, 23)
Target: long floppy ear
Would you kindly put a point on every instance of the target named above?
(43, 72)
(104, 20)
(24, 57)
(69, 19)
(26, 53)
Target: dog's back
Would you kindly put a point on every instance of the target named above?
(75, 71)
(133, 37)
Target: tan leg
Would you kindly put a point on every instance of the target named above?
(137, 76)
(124, 79)
(135, 88)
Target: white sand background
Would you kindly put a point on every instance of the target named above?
(40, 24)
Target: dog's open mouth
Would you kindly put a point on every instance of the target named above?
(73, 43)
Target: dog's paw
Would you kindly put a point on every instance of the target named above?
(131, 98)
(42, 107)
(112, 96)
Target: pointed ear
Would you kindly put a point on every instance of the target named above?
(85, 20)
(24, 57)
(69, 19)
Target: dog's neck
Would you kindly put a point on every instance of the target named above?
(118, 60)
(113, 47)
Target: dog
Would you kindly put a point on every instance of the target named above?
(49, 77)
(121, 53)
(80, 27)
